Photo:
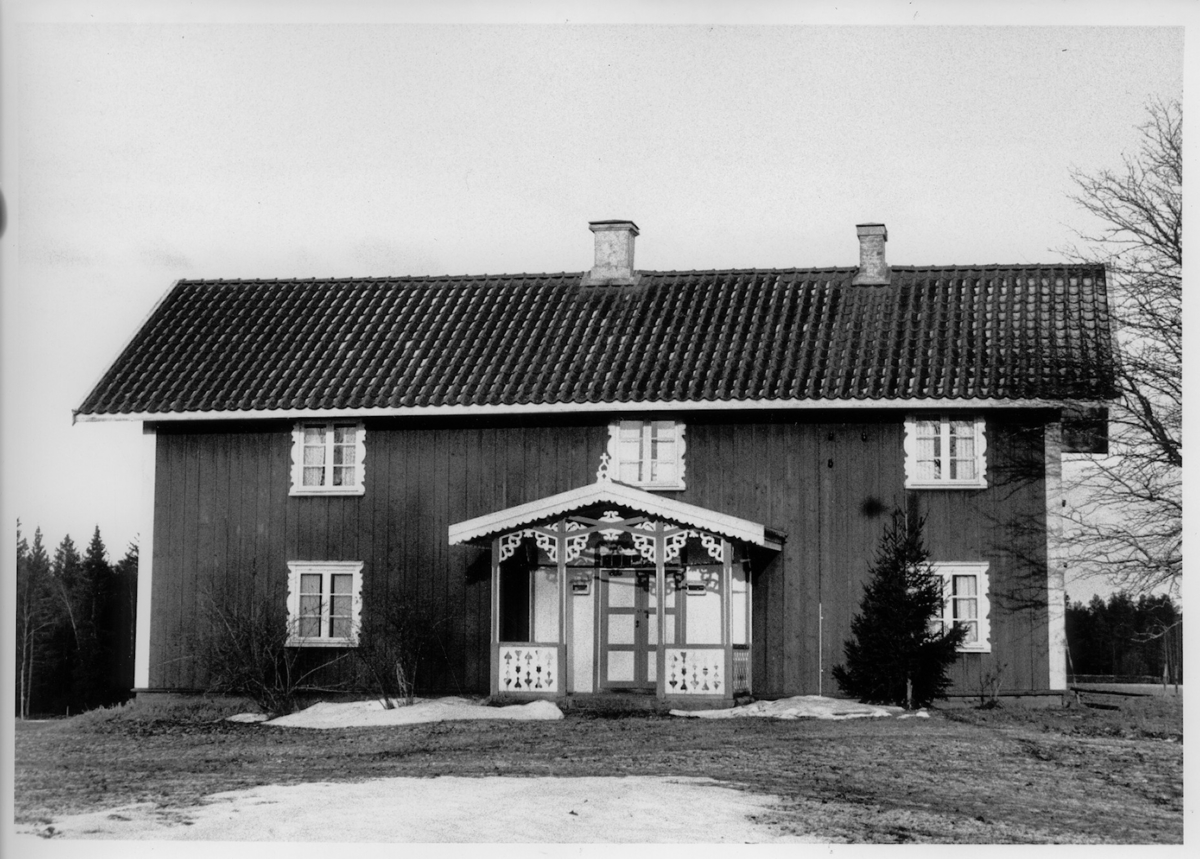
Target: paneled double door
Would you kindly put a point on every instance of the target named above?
(628, 625)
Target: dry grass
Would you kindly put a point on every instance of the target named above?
(993, 776)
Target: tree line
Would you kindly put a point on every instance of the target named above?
(1126, 637)
(75, 626)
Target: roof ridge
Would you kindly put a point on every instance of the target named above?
(508, 276)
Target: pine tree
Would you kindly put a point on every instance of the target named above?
(899, 653)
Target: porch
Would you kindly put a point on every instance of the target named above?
(616, 593)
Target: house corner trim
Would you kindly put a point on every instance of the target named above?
(1055, 560)
(145, 573)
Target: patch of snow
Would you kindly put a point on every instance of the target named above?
(632, 809)
(357, 714)
(920, 714)
(247, 717)
(799, 707)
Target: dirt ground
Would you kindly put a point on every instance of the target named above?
(967, 776)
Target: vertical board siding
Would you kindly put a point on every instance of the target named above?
(230, 525)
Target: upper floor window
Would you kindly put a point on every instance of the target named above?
(965, 603)
(942, 452)
(324, 603)
(648, 453)
(327, 458)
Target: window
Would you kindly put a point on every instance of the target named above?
(324, 603)
(327, 458)
(965, 603)
(943, 452)
(648, 454)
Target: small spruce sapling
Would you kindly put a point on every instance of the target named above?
(899, 651)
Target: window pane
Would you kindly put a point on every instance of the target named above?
(343, 455)
(972, 632)
(339, 616)
(310, 616)
(314, 476)
(340, 602)
(314, 465)
(928, 429)
(314, 436)
(631, 459)
(962, 450)
(343, 475)
(310, 583)
(343, 435)
(929, 463)
(966, 608)
(964, 586)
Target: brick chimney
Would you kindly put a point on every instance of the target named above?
(614, 254)
(872, 257)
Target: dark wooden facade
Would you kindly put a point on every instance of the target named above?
(225, 528)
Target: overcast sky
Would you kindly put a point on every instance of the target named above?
(139, 153)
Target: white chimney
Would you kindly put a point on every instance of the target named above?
(872, 257)
(614, 253)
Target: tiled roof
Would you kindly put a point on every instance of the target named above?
(995, 332)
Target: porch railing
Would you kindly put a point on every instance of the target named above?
(695, 670)
(741, 668)
(528, 668)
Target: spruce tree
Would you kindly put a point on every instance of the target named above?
(94, 596)
(899, 653)
(65, 639)
(125, 573)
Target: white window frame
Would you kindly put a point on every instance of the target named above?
(358, 487)
(979, 570)
(325, 569)
(912, 477)
(614, 452)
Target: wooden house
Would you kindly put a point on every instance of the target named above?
(668, 483)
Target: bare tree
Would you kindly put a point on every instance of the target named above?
(1127, 524)
(36, 614)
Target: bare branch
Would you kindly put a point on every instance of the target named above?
(1128, 523)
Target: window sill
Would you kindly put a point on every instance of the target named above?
(656, 487)
(975, 648)
(321, 490)
(321, 642)
(946, 484)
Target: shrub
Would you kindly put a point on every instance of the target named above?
(898, 653)
(393, 641)
(250, 656)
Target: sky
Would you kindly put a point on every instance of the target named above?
(147, 143)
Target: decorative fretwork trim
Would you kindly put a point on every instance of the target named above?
(617, 494)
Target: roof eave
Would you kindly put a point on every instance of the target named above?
(643, 406)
